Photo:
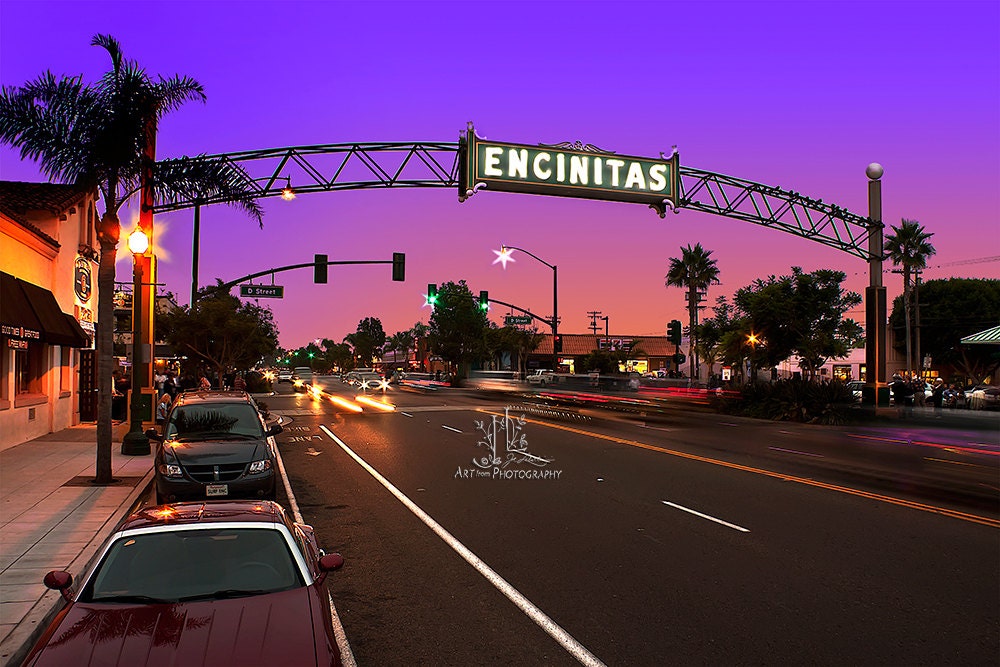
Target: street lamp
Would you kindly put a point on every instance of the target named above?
(504, 255)
(135, 442)
(287, 193)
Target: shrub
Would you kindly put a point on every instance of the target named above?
(792, 400)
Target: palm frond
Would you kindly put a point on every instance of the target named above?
(199, 177)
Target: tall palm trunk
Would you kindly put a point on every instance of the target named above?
(109, 233)
(692, 323)
(906, 314)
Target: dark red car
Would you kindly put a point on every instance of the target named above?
(206, 583)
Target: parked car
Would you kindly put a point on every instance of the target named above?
(215, 444)
(983, 397)
(207, 583)
(542, 377)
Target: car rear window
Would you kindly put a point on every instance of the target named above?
(214, 420)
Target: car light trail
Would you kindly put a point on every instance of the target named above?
(381, 405)
(974, 518)
(346, 404)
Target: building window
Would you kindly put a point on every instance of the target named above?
(66, 370)
(29, 369)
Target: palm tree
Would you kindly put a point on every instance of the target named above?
(101, 137)
(695, 270)
(909, 245)
(401, 341)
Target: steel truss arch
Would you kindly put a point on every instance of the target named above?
(435, 164)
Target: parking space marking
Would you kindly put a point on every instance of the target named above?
(572, 646)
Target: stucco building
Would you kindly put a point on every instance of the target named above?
(48, 307)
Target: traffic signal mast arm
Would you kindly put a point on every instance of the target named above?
(225, 287)
(522, 310)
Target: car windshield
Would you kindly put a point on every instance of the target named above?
(238, 420)
(189, 565)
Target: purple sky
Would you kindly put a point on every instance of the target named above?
(796, 95)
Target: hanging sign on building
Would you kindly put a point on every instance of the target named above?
(83, 279)
(567, 170)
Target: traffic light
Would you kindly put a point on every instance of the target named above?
(557, 343)
(674, 332)
(319, 269)
(679, 358)
(432, 294)
(398, 266)
(484, 300)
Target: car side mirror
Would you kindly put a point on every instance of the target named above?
(274, 429)
(61, 581)
(153, 435)
(327, 564)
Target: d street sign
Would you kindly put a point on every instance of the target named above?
(517, 319)
(567, 170)
(263, 291)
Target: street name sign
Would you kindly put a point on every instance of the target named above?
(567, 170)
(517, 319)
(263, 291)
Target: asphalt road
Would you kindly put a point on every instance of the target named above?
(697, 540)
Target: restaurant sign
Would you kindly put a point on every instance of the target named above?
(567, 170)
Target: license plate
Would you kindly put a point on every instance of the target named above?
(217, 490)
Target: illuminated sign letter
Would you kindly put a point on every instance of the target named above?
(536, 167)
(635, 176)
(615, 165)
(578, 169)
(517, 163)
(657, 177)
(598, 172)
(492, 166)
(561, 167)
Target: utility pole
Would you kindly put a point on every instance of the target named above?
(593, 315)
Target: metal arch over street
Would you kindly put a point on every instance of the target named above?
(362, 166)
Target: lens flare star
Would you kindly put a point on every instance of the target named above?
(503, 256)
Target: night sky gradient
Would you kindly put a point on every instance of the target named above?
(798, 95)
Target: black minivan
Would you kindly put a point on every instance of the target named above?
(215, 444)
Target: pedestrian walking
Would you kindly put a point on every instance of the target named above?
(162, 408)
(204, 384)
(239, 384)
(937, 397)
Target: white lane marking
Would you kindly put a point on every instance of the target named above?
(450, 428)
(793, 451)
(728, 424)
(703, 516)
(407, 414)
(346, 654)
(572, 646)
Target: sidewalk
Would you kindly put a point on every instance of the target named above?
(53, 518)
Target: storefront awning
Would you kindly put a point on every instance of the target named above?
(29, 312)
(987, 337)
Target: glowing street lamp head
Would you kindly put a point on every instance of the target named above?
(503, 256)
(138, 242)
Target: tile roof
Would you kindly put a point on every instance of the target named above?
(18, 199)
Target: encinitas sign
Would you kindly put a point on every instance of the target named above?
(567, 170)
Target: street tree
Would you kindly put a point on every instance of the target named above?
(695, 270)
(457, 326)
(401, 342)
(952, 309)
(516, 342)
(367, 341)
(338, 355)
(222, 332)
(802, 314)
(909, 246)
(101, 137)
